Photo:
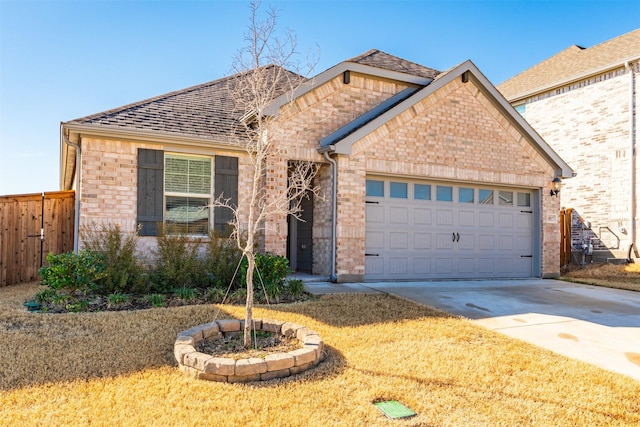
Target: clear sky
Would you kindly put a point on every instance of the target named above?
(61, 60)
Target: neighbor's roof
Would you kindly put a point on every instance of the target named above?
(572, 64)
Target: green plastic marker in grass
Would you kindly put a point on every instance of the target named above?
(394, 409)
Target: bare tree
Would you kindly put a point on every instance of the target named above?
(263, 74)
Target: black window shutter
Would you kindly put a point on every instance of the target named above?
(226, 185)
(150, 190)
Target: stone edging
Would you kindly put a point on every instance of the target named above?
(277, 365)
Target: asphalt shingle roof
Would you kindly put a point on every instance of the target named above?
(379, 59)
(212, 110)
(570, 64)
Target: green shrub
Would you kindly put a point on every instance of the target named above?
(123, 272)
(295, 288)
(214, 295)
(73, 272)
(117, 298)
(177, 263)
(271, 272)
(156, 300)
(77, 306)
(46, 295)
(221, 261)
(185, 293)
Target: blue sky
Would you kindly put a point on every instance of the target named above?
(60, 60)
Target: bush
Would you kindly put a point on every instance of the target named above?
(271, 272)
(295, 288)
(221, 261)
(73, 272)
(177, 263)
(123, 272)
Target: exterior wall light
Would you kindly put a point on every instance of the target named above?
(555, 186)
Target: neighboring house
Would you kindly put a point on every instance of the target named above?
(584, 103)
(436, 175)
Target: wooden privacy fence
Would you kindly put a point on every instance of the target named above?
(31, 226)
(565, 236)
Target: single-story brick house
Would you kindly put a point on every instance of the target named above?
(584, 103)
(436, 175)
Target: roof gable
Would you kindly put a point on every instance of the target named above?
(467, 69)
(572, 64)
(374, 63)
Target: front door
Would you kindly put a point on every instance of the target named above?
(300, 243)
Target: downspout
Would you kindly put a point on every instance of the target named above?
(632, 161)
(334, 213)
(76, 219)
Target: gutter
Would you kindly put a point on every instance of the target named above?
(76, 216)
(632, 161)
(334, 211)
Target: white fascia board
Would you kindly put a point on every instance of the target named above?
(76, 130)
(563, 169)
(274, 108)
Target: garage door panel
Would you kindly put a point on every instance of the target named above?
(375, 214)
(505, 242)
(486, 242)
(374, 240)
(444, 266)
(486, 266)
(486, 219)
(422, 216)
(399, 240)
(466, 218)
(398, 215)
(444, 241)
(505, 220)
(467, 242)
(422, 266)
(374, 266)
(422, 241)
(398, 266)
(444, 217)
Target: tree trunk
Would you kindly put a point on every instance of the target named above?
(248, 319)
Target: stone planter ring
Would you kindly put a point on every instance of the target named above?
(276, 365)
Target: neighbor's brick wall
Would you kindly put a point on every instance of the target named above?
(587, 124)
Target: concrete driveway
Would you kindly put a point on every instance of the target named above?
(597, 325)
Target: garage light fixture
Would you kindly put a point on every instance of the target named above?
(555, 186)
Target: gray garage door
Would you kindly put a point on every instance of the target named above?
(429, 230)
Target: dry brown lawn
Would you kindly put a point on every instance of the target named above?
(609, 275)
(117, 368)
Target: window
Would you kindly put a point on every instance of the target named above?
(506, 198)
(524, 199)
(486, 197)
(187, 189)
(522, 109)
(421, 192)
(398, 190)
(375, 188)
(466, 195)
(444, 193)
(176, 189)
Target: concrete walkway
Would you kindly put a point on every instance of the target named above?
(597, 325)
